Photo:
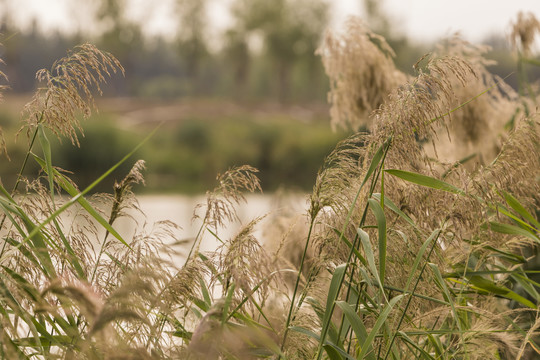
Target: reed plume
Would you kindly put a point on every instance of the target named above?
(68, 90)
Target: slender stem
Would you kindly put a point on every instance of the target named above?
(197, 240)
(19, 177)
(25, 161)
(375, 178)
(23, 167)
(412, 291)
(289, 316)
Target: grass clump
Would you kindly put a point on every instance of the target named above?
(404, 254)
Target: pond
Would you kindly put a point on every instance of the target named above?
(180, 210)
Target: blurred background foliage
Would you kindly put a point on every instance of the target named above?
(264, 64)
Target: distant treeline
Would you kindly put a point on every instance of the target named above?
(269, 51)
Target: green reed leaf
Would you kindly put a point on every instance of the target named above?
(357, 325)
(484, 285)
(332, 353)
(367, 345)
(370, 257)
(520, 209)
(425, 180)
(510, 230)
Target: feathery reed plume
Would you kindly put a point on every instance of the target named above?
(505, 174)
(221, 201)
(477, 128)
(244, 262)
(123, 195)
(524, 31)
(361, 71)
(414, 113)
(340, 170)
(77, 293)
(68, 90)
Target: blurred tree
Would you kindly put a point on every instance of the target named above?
(237, 59)
(191, 38)
(289, 30)
(120, 36)
(379, 22)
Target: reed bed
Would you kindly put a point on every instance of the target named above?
(417, 242)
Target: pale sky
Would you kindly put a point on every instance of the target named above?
(420, 19)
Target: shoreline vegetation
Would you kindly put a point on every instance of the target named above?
(418, 241)
(200, 138)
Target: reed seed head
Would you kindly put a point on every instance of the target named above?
(68, 90)
(524, 31)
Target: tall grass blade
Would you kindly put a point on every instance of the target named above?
(79, 197)
(227, 303)
(46, 147)
(434, 235)
(28, 288)
(377, 157)
(25, 251)
(425, 354)
(35, 236)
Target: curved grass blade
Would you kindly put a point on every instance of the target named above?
(390, 204)
(425, 180)
(332, 352)
(333, 292)
(36, 237)
(227, 304)
(370, 257)
(521, 223)
(414, 344)
(25, 251)
(315, 336)
(357, 325)
(28, 288)
(487, 286)
(47, 153)
(511, 230)
(434, 235)
(520, 209)
(71, 190)
(381, 318)
(379, 154)
(79, 197)
(350, 246)
(439, 281)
